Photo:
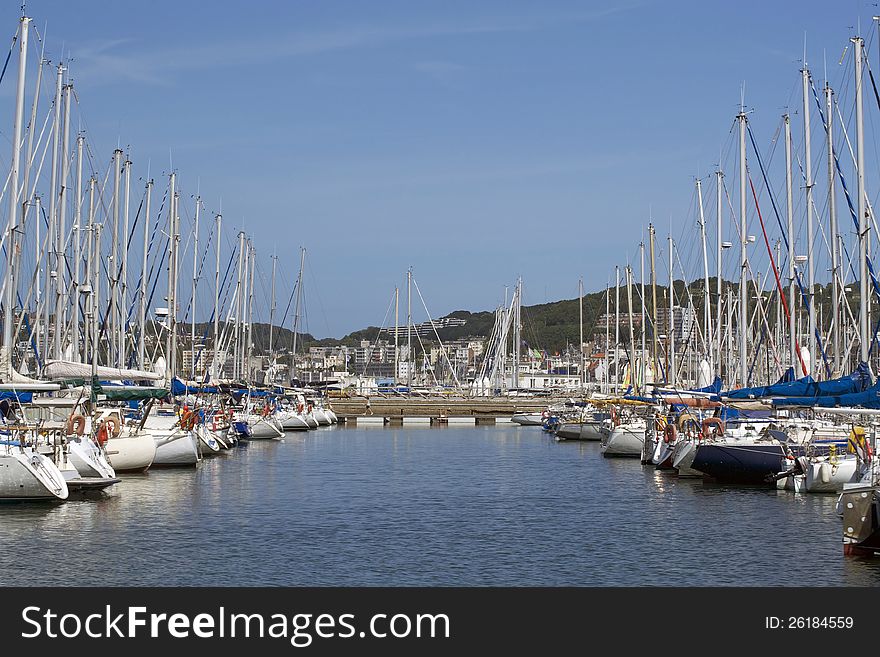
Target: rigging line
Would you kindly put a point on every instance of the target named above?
(776, 275)
(442, 346)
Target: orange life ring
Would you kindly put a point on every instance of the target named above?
(712, 422)
(103, 434)
(187, 420)
(117, 426)
(75, 424)
(670, 433)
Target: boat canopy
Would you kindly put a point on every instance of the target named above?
(806, 387)
(61, 370)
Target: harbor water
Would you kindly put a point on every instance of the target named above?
(453, 506)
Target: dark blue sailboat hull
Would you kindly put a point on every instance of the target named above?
(739, 464)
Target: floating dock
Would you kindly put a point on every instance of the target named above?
(399, 411)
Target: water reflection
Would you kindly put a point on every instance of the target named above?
(416, 505)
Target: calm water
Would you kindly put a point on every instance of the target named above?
(428, 506)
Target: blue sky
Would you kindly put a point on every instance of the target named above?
(473, 141)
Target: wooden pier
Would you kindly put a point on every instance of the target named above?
(397, 411)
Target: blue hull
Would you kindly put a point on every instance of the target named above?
(739, 464)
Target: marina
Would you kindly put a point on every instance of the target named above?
(703, 413)
(408, 506)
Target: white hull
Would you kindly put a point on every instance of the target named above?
(27, 475)
(264, 427)
(321, 416)
(827, 477)
(88, 460)
(208, 444)
(528, 419)
(292, 421)
(133, 453)
(682, 458)
(176, 449)
(625, 440)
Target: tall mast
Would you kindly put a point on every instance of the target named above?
(170, 340)
(51, 244)
(582, 378)
(643, 365)
(616, 327)
(607, 373)
(9, 300)
(219, 220)
(743, 293)
(409, 352)
(250, 326)
(77, 250)
(123, 266)
(832, 217)
(195, 283)
(238, 307)
(863, 218)
(114, 356)
(632, 341)
(142, 314)
(272, 306)
(719, 215)
(792, 326)
(671, 340)
(396, 333)
(707, 306)
(90, 346)
(243, 369)
(296, 310)
(61, 235)
(654, 300)
(808, 170)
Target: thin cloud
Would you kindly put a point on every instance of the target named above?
(118, 60)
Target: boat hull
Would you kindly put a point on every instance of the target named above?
(740, 462)
(132, 453)
(27, 475)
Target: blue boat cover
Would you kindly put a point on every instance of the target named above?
(858, 381)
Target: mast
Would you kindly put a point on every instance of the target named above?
(864, 334)
(632, 340)
(396, 332)
(707, 305)
(90, 346)
(607, 373)
(616, 327)
(671, 341)
(719, 215)
(252, 258)
(170, 342)
(123, 266)
(743, 295)
(832, 218)
(792, 319)
(654, 300)
(61, 235)
(272, 306)
(142, 314)
(51, 245)
(643, 365)
(808, 170)
(195, 283)
(77, 250)
(113, 355)
(581, 324)
(9, 296)
(218, 222)
(302, 261)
